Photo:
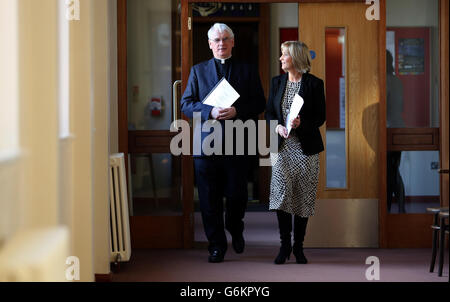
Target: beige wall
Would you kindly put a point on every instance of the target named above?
(113, 88)
(52, 182)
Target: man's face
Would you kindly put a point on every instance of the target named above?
(221, 45)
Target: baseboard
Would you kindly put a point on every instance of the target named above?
(103, 277)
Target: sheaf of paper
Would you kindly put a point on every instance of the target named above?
(296, 106)
(223, 95)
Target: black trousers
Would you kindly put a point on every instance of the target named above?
(218, 177)
(395, 184)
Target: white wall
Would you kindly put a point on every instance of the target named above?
(281, 15)
(418, 177)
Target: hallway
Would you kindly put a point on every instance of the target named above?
(256, 263)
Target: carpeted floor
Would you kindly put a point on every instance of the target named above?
(256, 263)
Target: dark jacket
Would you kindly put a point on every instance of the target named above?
(243, 77)
(312, 114)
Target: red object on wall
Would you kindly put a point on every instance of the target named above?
(416, 82)
(333, 63)
(287, 34)
(156, 106)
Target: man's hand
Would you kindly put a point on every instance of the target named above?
(223, 113)
(282, 131)
(215, 112)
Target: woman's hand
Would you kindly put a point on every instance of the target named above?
(295, 123)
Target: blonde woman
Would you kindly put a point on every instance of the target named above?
(295, 174)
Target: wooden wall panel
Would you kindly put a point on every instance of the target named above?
(444, 102)
(362, 84)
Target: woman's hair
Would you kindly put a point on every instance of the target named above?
(301, 59)
(219, 27)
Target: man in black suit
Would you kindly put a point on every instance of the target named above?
(221, 175)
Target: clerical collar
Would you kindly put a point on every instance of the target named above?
(222, 61)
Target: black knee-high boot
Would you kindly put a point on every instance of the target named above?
(299, 235)
(285, 227)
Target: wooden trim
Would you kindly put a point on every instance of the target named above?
(444, 98)
(150, 141)
(101, 278)
(149, 232)
(187, 163)
(275, 1)
(264, 48)
(226, 19)
(411, 224)
(412, 139)
(264, 74)
(122, 75)
(382, 156)
(420, 199)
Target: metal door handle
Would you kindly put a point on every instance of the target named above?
(175, 110)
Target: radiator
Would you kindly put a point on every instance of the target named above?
(120, 243)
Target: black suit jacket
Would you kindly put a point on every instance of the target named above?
(312, 114)
(243, 77)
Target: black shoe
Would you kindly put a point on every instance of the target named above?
(300, 257)
(216, 257)
(285, 252)
(238, 243)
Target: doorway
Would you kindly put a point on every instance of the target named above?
(360, 200)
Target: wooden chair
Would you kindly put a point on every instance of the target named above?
(435, 227)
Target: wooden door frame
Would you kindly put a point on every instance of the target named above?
(390, 236)
(444, 98)
(148, 228)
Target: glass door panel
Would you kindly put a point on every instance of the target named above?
(153, 61)
(153, 65)
(412, 105)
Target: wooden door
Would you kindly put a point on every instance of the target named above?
(347, 205)
(149, 52)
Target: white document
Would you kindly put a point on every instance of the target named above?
(223, 95)
(296, 106)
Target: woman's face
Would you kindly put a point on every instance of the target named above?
(286, 60)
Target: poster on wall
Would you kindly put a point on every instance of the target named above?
(410, 49)
(411, 56)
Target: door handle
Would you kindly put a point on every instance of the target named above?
(443, 171)
(175, 110)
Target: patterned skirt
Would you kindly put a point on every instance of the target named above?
(295, 177)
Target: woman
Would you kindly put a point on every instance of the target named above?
(295, 174)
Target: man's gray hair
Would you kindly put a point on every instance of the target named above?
(220, 28)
